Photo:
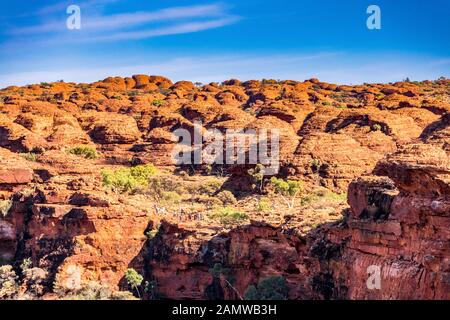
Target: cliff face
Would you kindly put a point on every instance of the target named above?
(398, 223)
(387, 145)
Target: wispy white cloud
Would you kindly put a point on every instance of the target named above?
(165, 31)
(125, 20)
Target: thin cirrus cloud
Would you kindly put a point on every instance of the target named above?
(171, 30)
(215, 14)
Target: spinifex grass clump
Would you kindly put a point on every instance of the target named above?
(87, 152)
(128, 179)
(228, 216)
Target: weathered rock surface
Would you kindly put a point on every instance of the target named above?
(388, 145)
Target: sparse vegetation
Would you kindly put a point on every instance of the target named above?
(376, 127)
(226, 197)
(264, 205)
(165, 188)
(170, 198)
(228, 216)
(272, 288)
(153, 232)
(158, 102)
(8, 282)
(128, 179)
(211, 187)
(287, 189)
(217, 271)
(315, 164)
(257, 174)
(96, 291)
(86, 152)
(5, 206)
(26, 264)
(134, 280)
(30, 156)
(322, 194)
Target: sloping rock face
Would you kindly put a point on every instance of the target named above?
(388, 145)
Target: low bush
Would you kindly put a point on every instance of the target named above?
(226, 197)
(264, 205)
(8, 282)
(287, 189)
(128, 179)
(5, 206)
(272, 288)
(163, 187)
(158, 102)
(376, 127)
(210, 187)
(30, 156)
(87, 152)
(228, 216)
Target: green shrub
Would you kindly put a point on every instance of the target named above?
(315, 164)
(210, 187)
(152, 233)
(163, 187)
(134, 279)
(326, 103)
(87, 152)
(8, 282)
(228, 216)
(26, 264)
(257, 175)
(128, 179)
(342, 106)
(323, 194)
(272, 288)
(264, 205)
(376, 127)
(170, 198)
(157, 102)
(30, 156)
(226, 197)
(209, 201)
(287, 189)
(96, 291)
(5, 206)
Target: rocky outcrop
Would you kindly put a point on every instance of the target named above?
(387, 145)
(397, 228)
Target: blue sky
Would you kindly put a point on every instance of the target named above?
(216, 40)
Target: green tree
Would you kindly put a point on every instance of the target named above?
(287, 189)
(271, 288)
(134, 280)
